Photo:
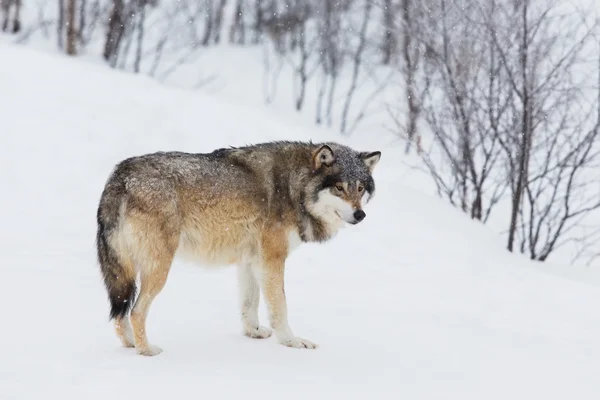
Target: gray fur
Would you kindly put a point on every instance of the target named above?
(275, 175)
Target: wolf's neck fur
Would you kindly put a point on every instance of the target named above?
(314, 228)
(294, 186)
(315, 222)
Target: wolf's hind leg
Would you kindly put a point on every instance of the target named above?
(156, 242)
(152, 282)
(124, 331)
(249, 299)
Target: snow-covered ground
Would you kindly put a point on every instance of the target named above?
(417, 302)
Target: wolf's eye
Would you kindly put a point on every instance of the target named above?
(340, 188)
(360, 188)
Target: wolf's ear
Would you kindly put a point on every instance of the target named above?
(371, 159)
(323, 156)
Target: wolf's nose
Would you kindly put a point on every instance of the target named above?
(359, 215)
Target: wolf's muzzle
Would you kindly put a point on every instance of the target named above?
(359, 215)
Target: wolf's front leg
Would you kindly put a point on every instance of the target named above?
(274, 294)
(249, 298)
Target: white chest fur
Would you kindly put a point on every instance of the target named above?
(293, 240)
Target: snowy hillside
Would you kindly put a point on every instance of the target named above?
(417, 302)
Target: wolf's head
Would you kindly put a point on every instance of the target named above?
(343, 182)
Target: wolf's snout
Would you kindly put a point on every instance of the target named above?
(359, 215)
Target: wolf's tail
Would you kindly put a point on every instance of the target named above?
(119, 279)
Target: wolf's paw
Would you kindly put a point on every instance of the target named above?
(258, 333)
(299, 343)
(128, 343)
(127, 339)
(149, 351)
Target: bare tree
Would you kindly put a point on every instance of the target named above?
(66, 30)
(125, 19)
(219, 20)
(389, 38)
(116, 29)
(5, 7)
(303, 72)
(561, 187)
(307, 45)
(60, 25)
(520, 165)
(462, 102)
(538, 62)
(357, 60)
(509, 96)
(208, 27)
(238, 28)
(286, 27)
(259, 18)
(331, 56)
(560, 197)
(290, 28)
(91, 13)
(71, 29)
(141, 19)
(413, 21)
(82, 19)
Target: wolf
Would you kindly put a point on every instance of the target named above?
(248, 206)
(5, 6)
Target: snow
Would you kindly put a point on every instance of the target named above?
(416, 302)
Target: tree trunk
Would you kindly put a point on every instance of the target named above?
(209, 23)
(116, 28)
(82, 20)
(238, 24)
(322, 88)
(356, 68)
(140, 38)
(71, 31)
(219, 20)
(302, 68)
(332, 87)
(524, 148)
(409, 73)
(61, 23)
(389, 41)
(259, 21)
